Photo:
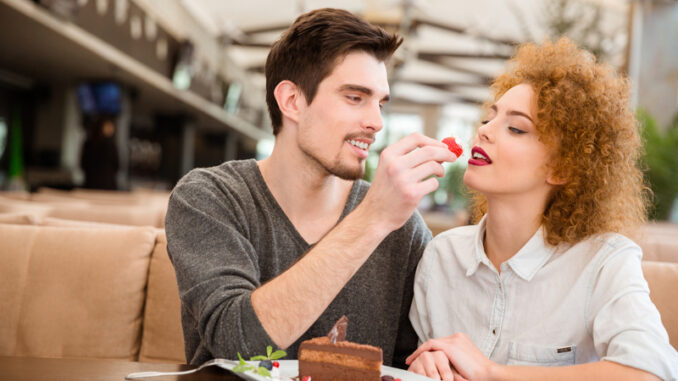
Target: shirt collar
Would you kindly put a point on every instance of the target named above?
(525, 263)
(479, 255)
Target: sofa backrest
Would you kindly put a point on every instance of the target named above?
(162, 339)
(659, 242)
(72, 291)
(662, 277)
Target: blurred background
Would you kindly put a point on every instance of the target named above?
(132, 94)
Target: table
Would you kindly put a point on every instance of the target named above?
(31, 369)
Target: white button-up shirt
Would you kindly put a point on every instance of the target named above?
(547, 305)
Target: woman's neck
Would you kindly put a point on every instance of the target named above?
(509, 224)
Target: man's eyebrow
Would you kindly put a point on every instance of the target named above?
(513, 112)
(362, 89)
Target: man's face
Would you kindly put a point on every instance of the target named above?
(338, 127)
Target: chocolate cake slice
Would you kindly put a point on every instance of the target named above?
(341, 360)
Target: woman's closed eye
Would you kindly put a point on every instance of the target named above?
(517, 130)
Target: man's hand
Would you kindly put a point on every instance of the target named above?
(459, 351)
(402, 178)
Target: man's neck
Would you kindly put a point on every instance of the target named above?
(311, 198)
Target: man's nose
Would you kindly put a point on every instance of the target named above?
(372, 119)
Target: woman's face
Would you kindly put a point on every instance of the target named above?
(508, 158)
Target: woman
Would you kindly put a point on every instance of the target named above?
(546, 278)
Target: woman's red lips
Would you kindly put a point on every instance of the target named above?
(479, 157)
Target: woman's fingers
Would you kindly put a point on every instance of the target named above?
(443, 366)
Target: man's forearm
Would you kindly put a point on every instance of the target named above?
(290, 303)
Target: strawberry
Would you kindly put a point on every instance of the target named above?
(453, 146)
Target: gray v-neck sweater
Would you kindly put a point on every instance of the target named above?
(227, 235)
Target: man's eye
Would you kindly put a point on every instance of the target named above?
(353, 98)
(516, 130)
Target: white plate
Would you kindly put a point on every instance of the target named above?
(290, 368)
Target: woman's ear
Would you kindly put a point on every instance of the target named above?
(288, 96)
(556, 179)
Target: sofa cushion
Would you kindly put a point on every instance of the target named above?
(662, 277)
(659, 242)
(120, 214)
(162, 339)
(73, 291)
(8, 205)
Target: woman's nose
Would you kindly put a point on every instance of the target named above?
(485, 131)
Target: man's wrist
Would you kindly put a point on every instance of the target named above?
(370, 222)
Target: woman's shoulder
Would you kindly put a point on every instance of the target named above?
(459, 234)
(609, 251)
(459, 243)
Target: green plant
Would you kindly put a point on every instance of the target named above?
(453, 183)
(661, 163)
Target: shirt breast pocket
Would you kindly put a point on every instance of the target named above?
(536, 355)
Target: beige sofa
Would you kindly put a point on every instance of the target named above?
(83, 289)
(139, 208)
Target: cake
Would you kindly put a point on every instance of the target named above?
(332, 358)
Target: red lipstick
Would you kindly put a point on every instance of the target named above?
(479, 157)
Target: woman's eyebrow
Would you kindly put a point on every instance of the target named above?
(513, 112)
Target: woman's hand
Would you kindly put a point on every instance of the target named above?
(459, 351)
(435, 365)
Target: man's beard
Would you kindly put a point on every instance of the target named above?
(337, 169)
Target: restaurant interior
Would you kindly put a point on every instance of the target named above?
(106, 104)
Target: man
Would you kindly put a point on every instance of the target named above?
(274, 252)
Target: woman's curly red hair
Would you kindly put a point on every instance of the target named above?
(584, 118)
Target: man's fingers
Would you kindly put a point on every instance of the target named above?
(428, 153)
(425, 170)
(412, 141)
(427, 186)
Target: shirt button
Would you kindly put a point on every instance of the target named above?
(494, 331)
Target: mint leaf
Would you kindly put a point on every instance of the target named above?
(242, 368)
(242, 361)
(264, 372)
(258, 358)
(269, 349)
(277, 354)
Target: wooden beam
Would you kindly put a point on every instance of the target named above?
(449, 84)
(494, 56)
(459, 30)
(440, 61)
(266, 28)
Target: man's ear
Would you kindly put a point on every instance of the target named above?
(289, 98)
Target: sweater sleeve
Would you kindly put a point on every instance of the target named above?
(217, 270)
(406, 341)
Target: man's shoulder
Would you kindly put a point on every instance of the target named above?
(236, 175)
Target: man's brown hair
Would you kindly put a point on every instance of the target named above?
(310, 49)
